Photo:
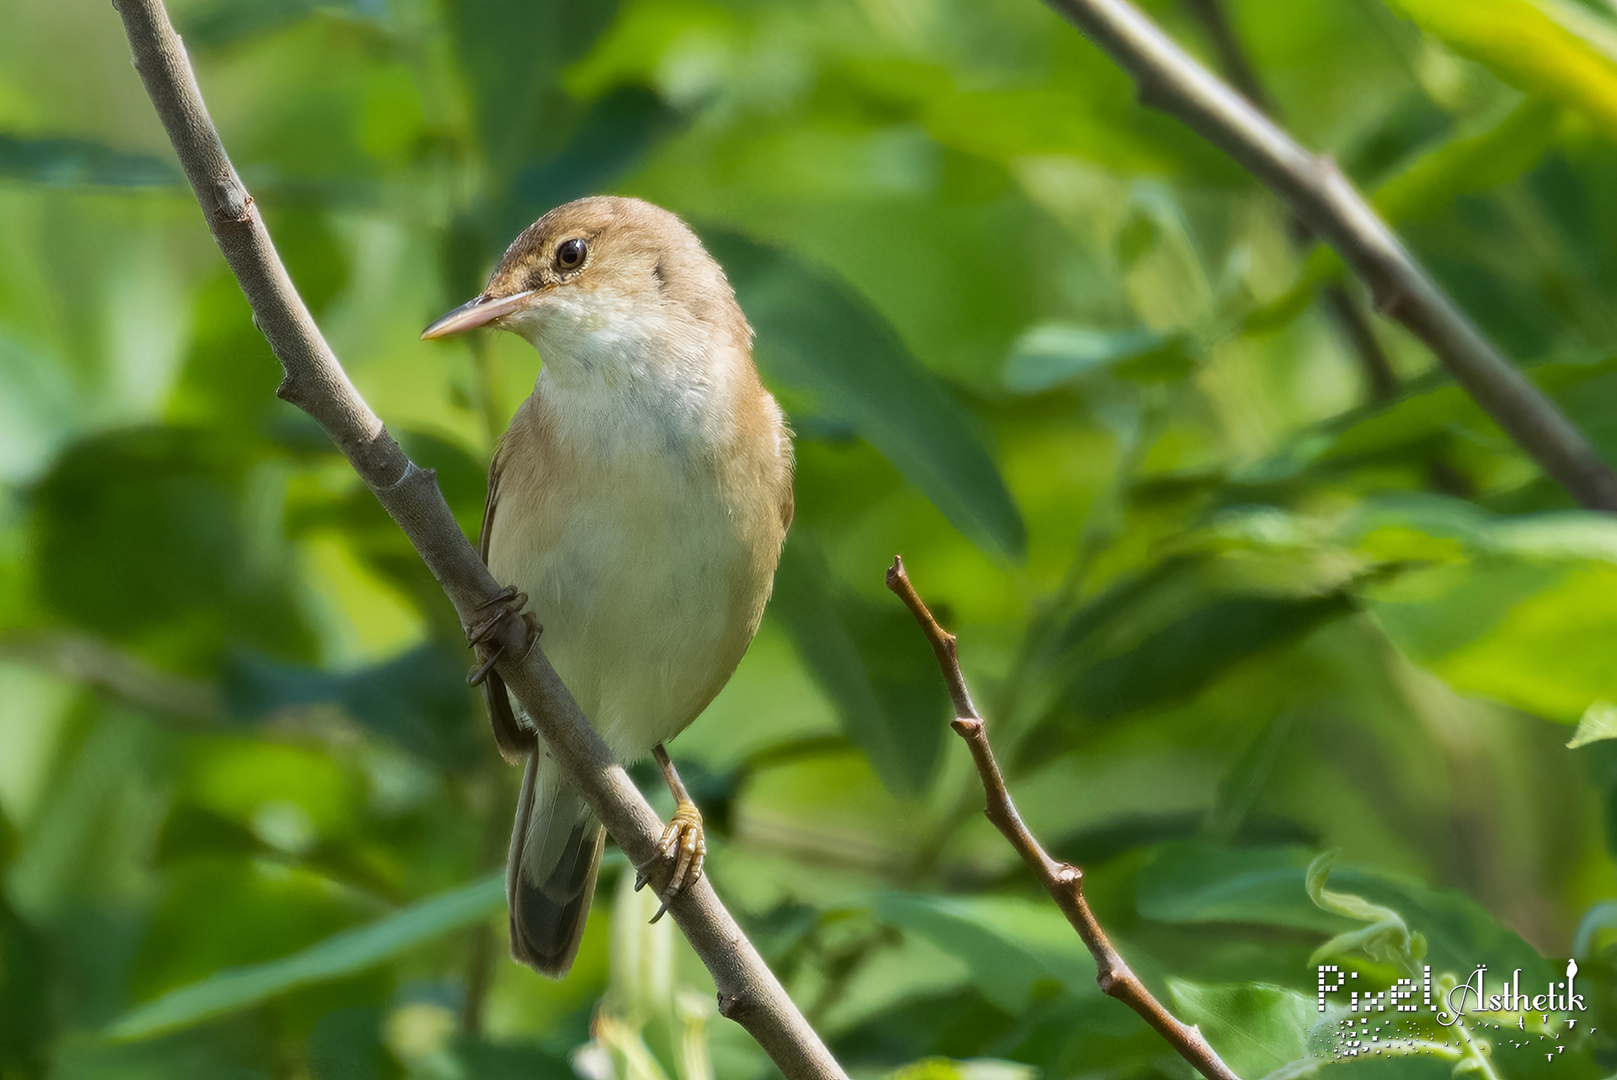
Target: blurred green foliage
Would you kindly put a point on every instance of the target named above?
(1224, 610)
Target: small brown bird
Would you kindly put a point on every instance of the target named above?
(640, 499)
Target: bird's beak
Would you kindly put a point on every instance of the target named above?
(475, 313)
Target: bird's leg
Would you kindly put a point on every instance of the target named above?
(506, 603)
(682, 841)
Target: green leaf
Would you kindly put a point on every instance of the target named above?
(227, 22)
(819, 338)
(1520, 610)
(339, 955)
(26, 974)
(612, 136)
(512, 53)
(871, 661)
(1475, 160)
(1254, 1027)
(1194, 883)
(1599, 722)
(1599, 917)
(347, 1045)
(941, 1068)
(1384, 937)
(1048, 355)
(170, 532)
(1012, 946)
(71, 162)
(1546, 47)
(1189, 655)
(418, 699)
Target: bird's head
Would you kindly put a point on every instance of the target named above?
(606, 278)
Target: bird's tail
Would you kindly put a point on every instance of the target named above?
(550, 874)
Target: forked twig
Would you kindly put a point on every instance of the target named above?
(1063, 881)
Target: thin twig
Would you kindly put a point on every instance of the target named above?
(1171, 80)
(315, 382)
(1063, 881)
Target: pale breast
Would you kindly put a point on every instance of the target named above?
(644, 560)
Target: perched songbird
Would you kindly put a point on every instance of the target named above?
(640, 500)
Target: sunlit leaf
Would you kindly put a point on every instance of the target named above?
(1255, 1028)
(1512, 609)
(820, 339)
(1547, 47)
(1599, 722)
(1474, 160)
(342, 954)
(1012, 946)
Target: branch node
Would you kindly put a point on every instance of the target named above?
(287, 390)
(231, 201)
(1063, 881)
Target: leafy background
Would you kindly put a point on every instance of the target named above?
(1226, 607)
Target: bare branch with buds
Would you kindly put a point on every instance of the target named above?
(1063, 881)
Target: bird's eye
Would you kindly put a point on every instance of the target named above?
(570, 254)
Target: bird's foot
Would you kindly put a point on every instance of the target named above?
(506, 603)
(683, 843)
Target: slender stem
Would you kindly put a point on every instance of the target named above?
(314, 381)
(1319, 194)
(1063, 881)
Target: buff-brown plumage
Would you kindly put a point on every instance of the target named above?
(640, 499)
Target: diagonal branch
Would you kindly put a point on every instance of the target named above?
(1325, 200)
(1063, 881)
(315, 382)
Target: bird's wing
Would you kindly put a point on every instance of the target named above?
(514, 742)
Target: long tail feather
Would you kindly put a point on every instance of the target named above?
(550, 874)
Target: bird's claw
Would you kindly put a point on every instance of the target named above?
(684, 843)
(506, 603)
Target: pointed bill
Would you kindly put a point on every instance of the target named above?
(475, 313)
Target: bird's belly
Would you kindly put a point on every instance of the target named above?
(641, 582)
